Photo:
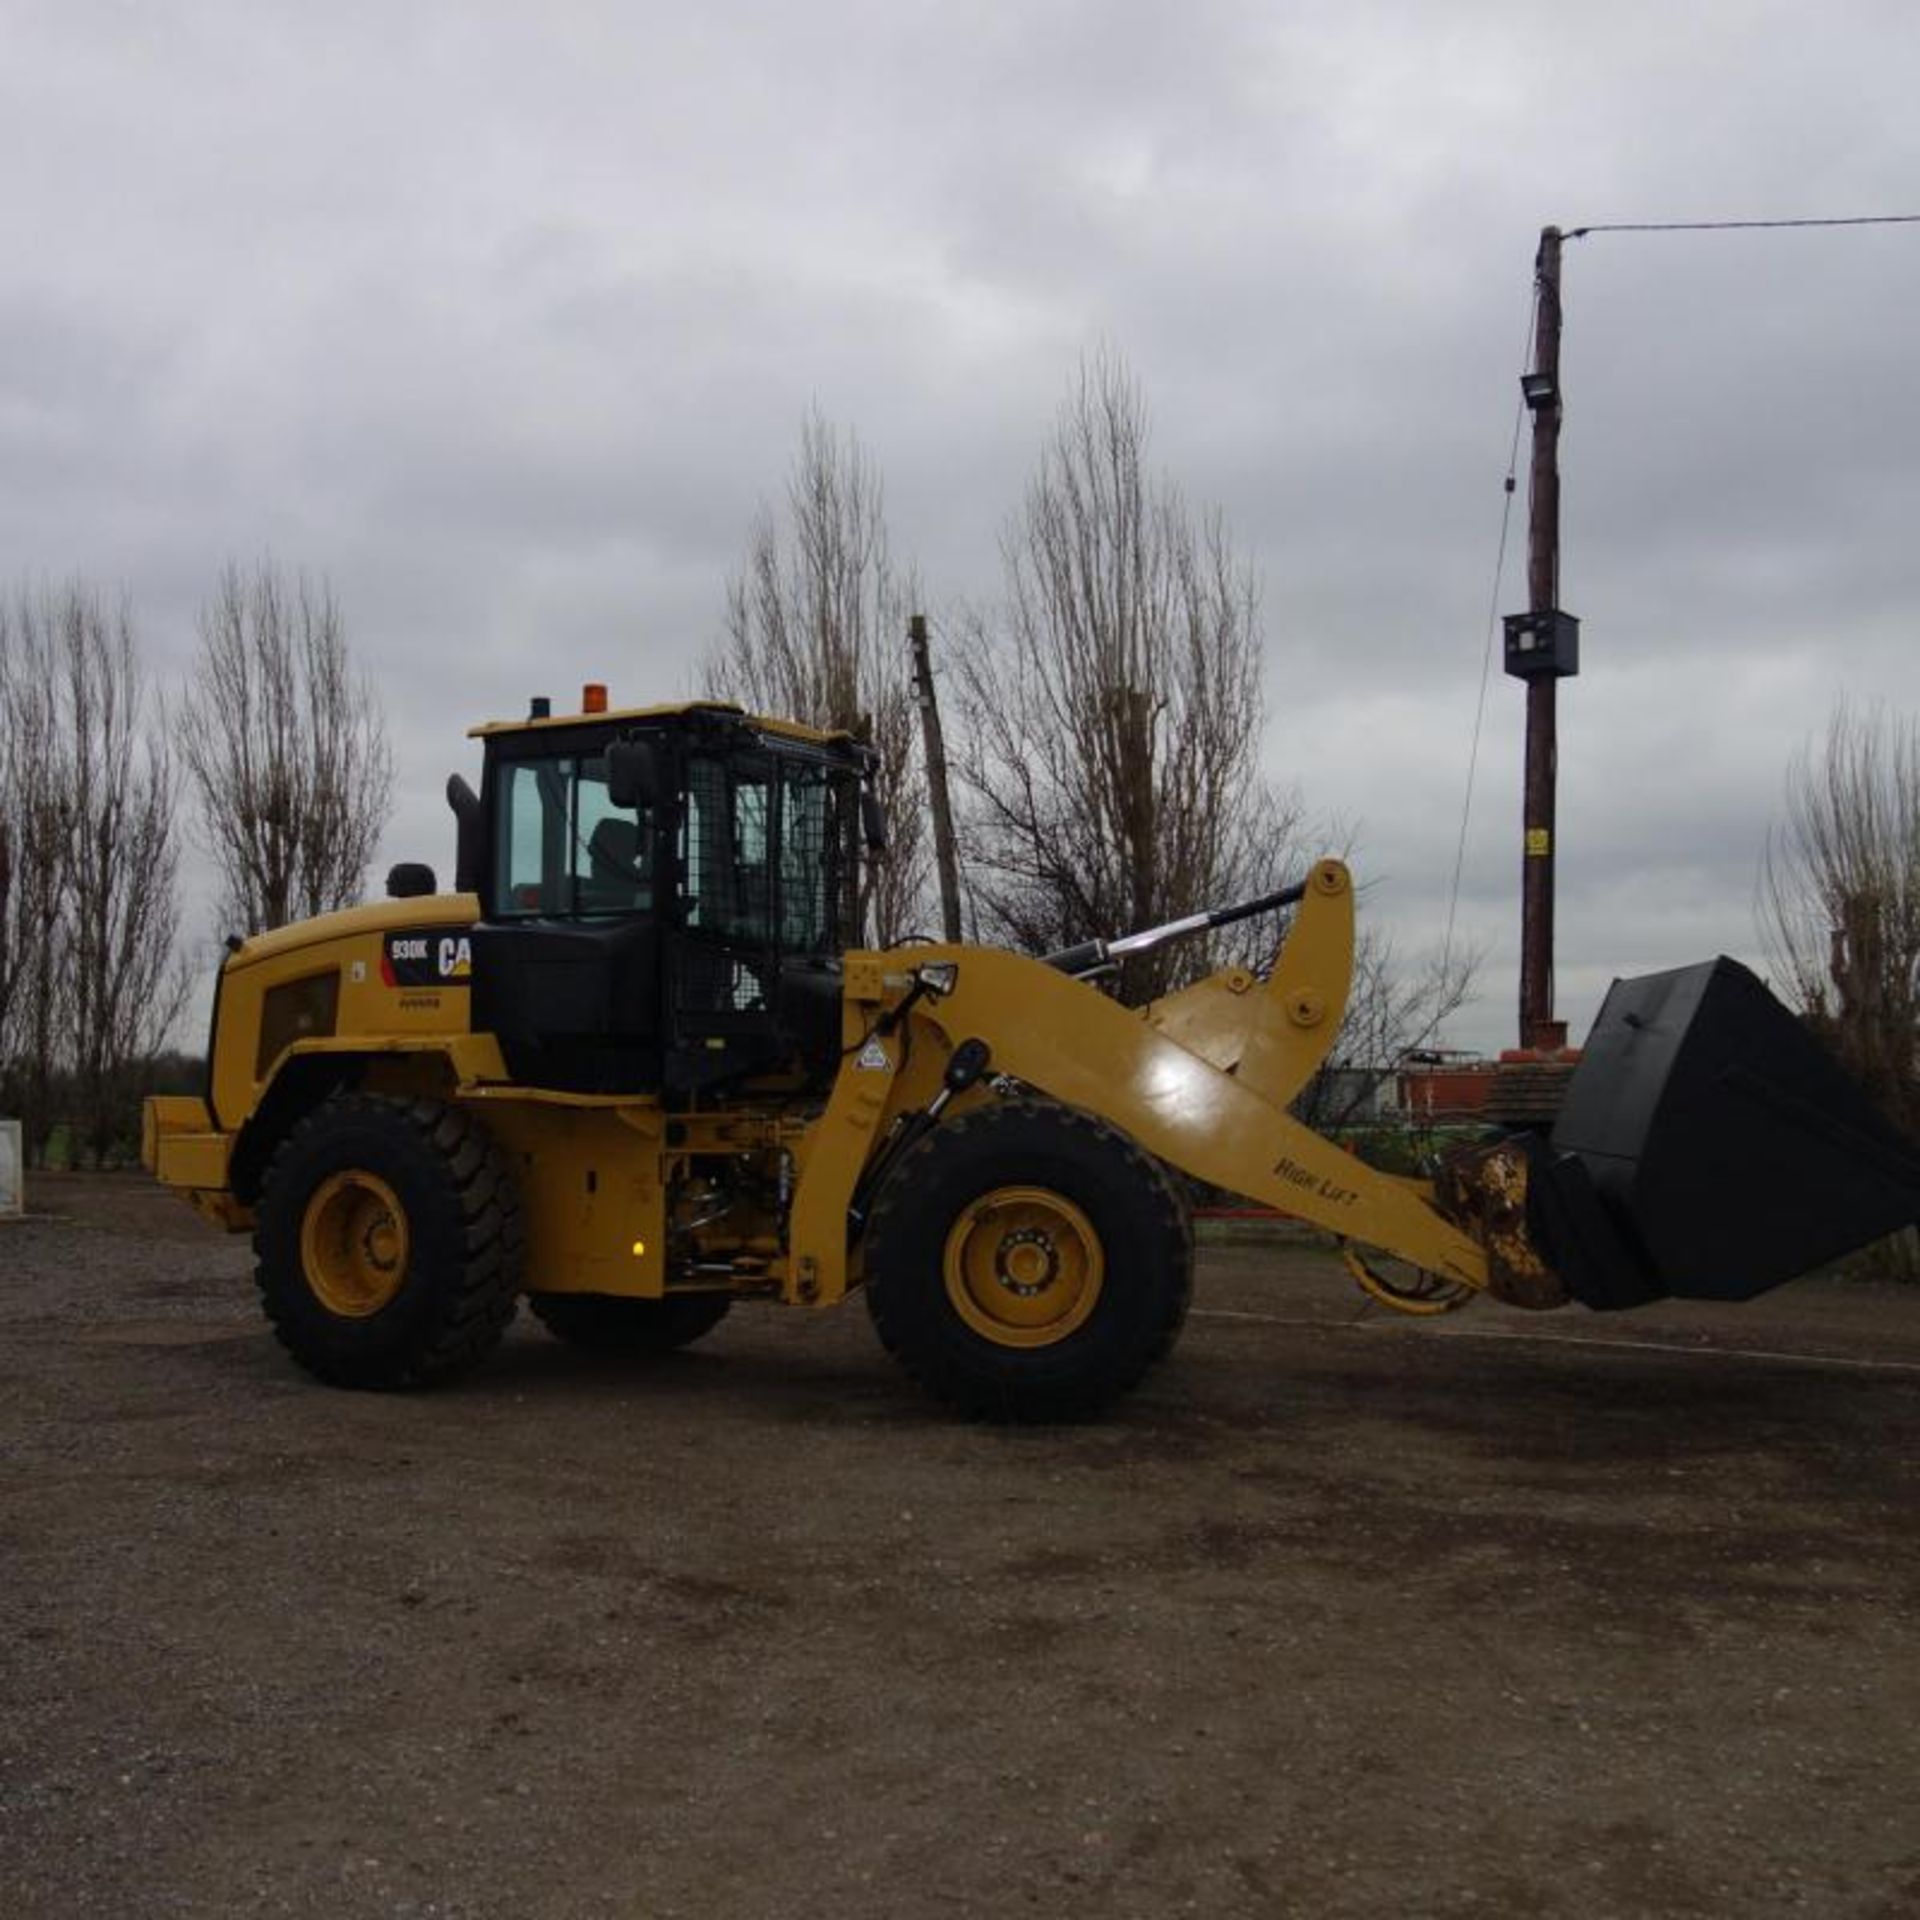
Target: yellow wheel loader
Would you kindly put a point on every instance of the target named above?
(630, 1070)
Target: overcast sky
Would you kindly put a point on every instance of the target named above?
(506, 319)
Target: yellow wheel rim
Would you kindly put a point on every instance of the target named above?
(354, 1243)
(1023, 1266)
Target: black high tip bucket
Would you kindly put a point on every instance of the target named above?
(1710, 1148)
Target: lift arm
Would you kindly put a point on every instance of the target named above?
(1201, 1079)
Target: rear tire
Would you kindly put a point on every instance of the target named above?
(613, 1323)
(1028, 1262)
(389, 1244)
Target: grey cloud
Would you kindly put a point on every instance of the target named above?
(507, 322)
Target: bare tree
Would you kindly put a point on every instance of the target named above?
(1113, 707)
(125, 977)
(1840, 900)
(285, 748)
(815, 631)
(13, 933)
(35, 831)
(93, 984)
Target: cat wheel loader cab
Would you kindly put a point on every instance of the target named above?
(663, 900)
(637, 1067)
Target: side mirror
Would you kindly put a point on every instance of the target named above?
(634, 777)
(873, 822)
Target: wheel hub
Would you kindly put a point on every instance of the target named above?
(1023, 1266)
(354, 1243)
(1027, 1262)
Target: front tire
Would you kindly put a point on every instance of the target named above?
(612, 1323)
(389, 1244)
(1028, 1262)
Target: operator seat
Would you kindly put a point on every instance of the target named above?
(617, 868)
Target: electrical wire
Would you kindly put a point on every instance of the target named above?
(1736, 226)
(1486, 652)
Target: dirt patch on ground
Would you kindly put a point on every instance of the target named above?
(1338, 1617)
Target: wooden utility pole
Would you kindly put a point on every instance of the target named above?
(942, 806)
(1543, 659)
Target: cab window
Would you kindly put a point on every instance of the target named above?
(726, 850)
(759, 852)
(809, 845)
(563, 849)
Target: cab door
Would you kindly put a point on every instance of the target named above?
(566, 958)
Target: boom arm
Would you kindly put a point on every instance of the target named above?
(1201, 1079)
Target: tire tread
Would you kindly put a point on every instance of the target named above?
(472, 1309)
(1010, 1400)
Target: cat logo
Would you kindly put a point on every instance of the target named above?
(426, 958)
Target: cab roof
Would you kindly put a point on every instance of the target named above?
(789, 729)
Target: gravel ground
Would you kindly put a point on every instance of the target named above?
(1339, 1617)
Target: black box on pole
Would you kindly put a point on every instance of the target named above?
(1543, 643)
